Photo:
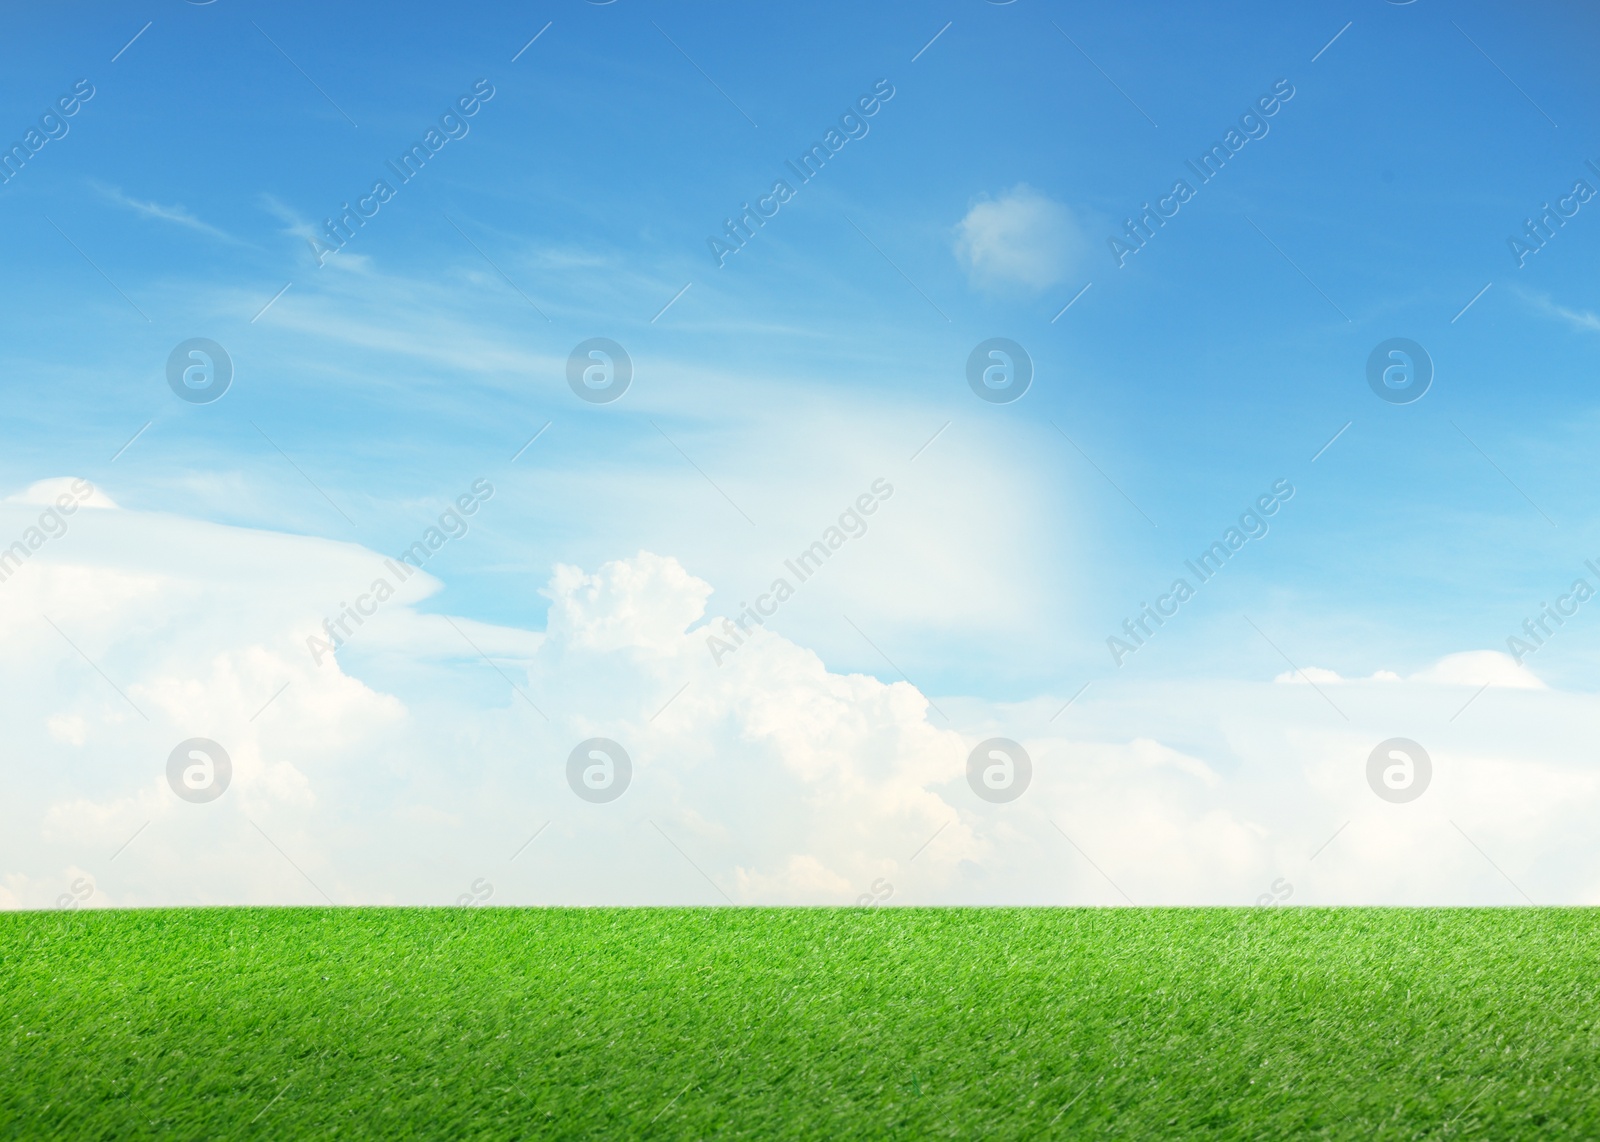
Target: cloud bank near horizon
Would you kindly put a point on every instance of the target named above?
(429, 761)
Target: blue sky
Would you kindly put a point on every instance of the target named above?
(775, 388)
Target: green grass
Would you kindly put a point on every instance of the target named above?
(689, 1023)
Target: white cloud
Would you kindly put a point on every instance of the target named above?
(1021, 238)
(1580, 319)
(69, 728)
(1480, 668)
(297, 225)
(1472, 668)
(178, 215)
(44, 493)
(410, 768)
(1577, 318)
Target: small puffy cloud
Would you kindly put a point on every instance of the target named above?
(1020, 239)
(1464, 668)
(1479, 668)
(643, 602)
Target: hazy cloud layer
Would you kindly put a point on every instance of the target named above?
(423, 759)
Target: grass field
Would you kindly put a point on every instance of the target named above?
(1001, 1023)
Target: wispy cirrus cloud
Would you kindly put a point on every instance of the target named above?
(297, 225)
(178, 215)
(1577, 318)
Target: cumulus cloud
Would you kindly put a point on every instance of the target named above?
(44, 493)
(1021, 239)
(786, 781)
(1464, 668)
(1480, 668)
(431, 753)
(1460, 669)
